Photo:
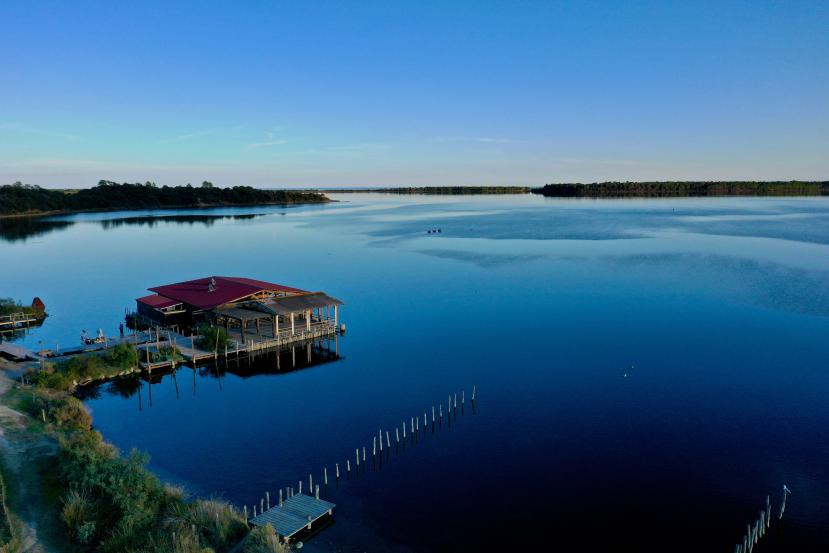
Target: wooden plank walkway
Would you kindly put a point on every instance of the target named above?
(296, 513)
(15, 352)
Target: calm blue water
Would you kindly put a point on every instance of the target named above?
(647, 371)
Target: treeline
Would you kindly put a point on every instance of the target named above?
(667, 189)
(20, 199)
(447, 190)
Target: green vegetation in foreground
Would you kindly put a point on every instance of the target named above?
(109, 503)
(682, 188)
(23, 199)
(450, 190)
(9, 538)
(64, 375)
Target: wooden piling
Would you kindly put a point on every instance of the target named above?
(388, 441)
(357, 453)
(473, 393)
(245, 510)
(317, 491)
(325, 475)
(280, 497)
(337, 470)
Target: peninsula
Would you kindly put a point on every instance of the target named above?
(20, 199)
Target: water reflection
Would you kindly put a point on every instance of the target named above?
(289, 359)
(20, 229)
(23, 228)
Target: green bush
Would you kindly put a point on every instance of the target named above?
(263, 539)
(212, 337)
(61, 375)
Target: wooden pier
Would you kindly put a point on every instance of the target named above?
(296, 513)
(18, 320)
(191, 353)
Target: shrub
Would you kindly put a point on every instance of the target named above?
(263, 539)
(69, 412)
(212, 337)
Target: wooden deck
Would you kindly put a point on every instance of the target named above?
(295, 514)
(17, 320)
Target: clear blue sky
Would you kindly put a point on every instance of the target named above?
(412, 93)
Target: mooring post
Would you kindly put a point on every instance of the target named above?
(254, 510)
(396, 431)
(404, 430)
(381, 440)
(456, 401)
(310, 482)
(364, 453)
(325, 475)
(261, 504)
(768, 511)
(374, 446)
(245, 509)
(337, 470)
(473, 393)
(300, 486)
(280, 497)
(268, 499)
(440, 411)
(388, 442)
(348, 465)
(433, 414)
(317, 492)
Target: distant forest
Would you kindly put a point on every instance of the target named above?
(669, 189)
(450, 190)
(26, 199)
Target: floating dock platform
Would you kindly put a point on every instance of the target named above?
(295, 514)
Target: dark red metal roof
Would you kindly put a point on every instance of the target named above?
(159, 302)
(227, 289)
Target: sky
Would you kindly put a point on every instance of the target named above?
(363, 93)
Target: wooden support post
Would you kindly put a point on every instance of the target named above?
(396, 434)
(337, 470)
(364, 453)
(280, 497)
(245, 510)
(310, 482)
(325, 475)
(293, 331)
(388, 442)
(348, 465)
(268, 499)
(357, 453)
(317, 491)
(261, 504)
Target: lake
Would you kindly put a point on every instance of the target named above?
(646, 371)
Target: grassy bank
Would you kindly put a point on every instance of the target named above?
(108, 502)
(23, 199)
(671, 189)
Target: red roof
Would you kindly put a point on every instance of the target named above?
(226, 290)
(159, 302)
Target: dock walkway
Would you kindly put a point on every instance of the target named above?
(295, 513)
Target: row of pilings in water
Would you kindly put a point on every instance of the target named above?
(756, 531)
(410, 432)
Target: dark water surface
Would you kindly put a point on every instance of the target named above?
(646, 371)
